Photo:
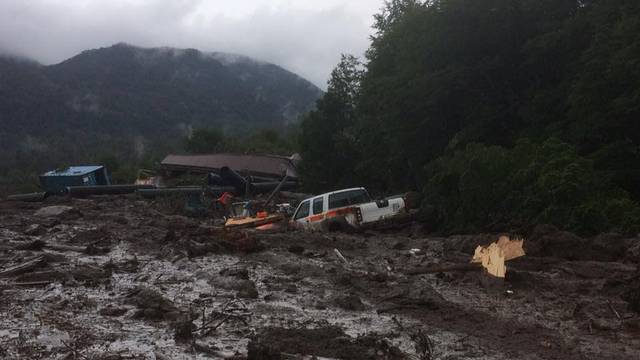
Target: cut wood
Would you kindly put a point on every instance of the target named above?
(493, 257)
(26, 266)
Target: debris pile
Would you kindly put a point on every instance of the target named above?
(113, 276)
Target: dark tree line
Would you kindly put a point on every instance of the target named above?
(503, 113)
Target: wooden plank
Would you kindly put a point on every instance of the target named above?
(26, 266)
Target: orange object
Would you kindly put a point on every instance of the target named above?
(267, 227)
(252, 221)
(262, 214)
(226, 198)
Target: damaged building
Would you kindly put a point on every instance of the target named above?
(259, 167)
(57, 181)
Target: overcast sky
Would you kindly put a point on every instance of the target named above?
(304, 36)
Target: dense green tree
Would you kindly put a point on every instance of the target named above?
(326, 135)
(491, 187)
(267, 141)
(206, 141)
(503, 112)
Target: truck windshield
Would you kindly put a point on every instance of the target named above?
(346, 198)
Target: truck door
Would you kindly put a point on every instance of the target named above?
(302, 214)
(318, 206)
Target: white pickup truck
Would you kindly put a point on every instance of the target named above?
(354, 206)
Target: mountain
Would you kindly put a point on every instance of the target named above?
(127, 95)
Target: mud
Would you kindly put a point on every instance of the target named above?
(331, 341)
(119, 278)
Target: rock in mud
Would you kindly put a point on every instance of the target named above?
(38, 276)
(240, 273)
(97, 236)
(196, 249)
(34, 230)
(184, 329)
(632, 296)
(248, 290)
(131, 265)
(562, 244)
(547, 240)
(605, 324)
(349, 302)
(170, 236)
(633, 324)
(179, 222)
(411, 296)
(109, 356)
(112, 311)
(608, 247)
(58, 211)
(152, 305)
(467, 243)
(35, 245)
(296, 249)
(249, 244)
(91, 275)
(633, 252)
(331, 342)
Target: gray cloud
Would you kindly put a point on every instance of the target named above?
(304, 36)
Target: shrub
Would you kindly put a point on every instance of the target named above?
(496, 188)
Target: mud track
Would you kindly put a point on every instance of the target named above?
(119, 278)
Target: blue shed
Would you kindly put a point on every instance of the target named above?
(58, 180)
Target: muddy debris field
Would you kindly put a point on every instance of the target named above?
(120, 278)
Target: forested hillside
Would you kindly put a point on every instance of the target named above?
(503, 113)
(129, 103)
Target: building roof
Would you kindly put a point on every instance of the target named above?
(74, 171)
(258, 165)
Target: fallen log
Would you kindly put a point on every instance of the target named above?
(39, 276)
(340, 256)
(81, 191)
(38, 245)
(26, 266)
(80, 249)
(181, 191)
(35, 245)
(32, 197)
(32, 283)
(199, 249)
(443, 268)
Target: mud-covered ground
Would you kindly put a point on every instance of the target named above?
(120, 278)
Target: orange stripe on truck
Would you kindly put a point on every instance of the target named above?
(334, 213)
(316, 218)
